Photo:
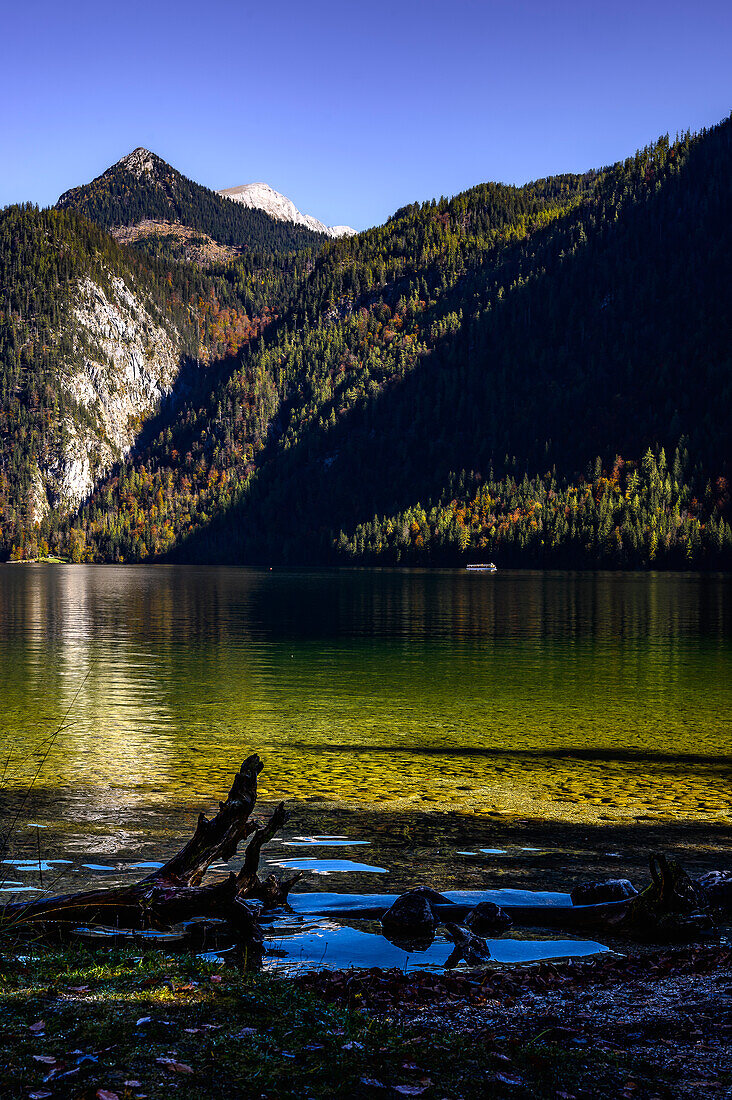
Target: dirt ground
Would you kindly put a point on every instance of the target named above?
(656, 1025)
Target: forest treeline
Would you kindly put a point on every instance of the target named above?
(635, 514)
(459, 383)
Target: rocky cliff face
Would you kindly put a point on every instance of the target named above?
(125, 362)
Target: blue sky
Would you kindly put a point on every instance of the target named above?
(352, 109)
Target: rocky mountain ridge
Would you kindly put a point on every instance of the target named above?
(142, 189)
(260, 196)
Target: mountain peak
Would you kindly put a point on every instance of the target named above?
(140, 162)
(260, 196)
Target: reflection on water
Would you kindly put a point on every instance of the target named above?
(326, 866)
(310, 938)
(335, 947)
(571, 694)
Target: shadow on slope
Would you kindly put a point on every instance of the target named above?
(612, 342)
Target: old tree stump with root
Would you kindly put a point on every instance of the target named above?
(174, 904)
(176, 892)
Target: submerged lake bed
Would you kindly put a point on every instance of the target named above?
(516, 731)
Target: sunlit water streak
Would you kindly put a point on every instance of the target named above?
(521, 692)
(569, 697)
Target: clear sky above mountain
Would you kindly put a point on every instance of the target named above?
(352, 110)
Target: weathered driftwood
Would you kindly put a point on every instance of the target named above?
(176, 892)
(468, 948)
(672, 905)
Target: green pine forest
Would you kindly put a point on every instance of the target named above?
(535, 375)
(121, 197)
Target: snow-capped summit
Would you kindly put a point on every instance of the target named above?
(261, 196)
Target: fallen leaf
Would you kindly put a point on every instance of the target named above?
(352, 1046)
(372, 1083)
(39, 1095)
(143, 1020)
(174, 1067)
(216, 978)
(39, 1025)
(133, 1084)
(47, 1058)
(105, 1094)
(411, 1090)
(252, 1031)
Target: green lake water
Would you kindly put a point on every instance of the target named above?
(577, 696)
(503, 735)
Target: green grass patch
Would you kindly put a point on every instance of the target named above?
(76, 1022)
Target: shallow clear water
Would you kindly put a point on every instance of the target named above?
(375, 698)
(330, 945)
(530, 693)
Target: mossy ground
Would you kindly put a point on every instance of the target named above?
(75, 1022)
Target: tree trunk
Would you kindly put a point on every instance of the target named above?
(175, 892)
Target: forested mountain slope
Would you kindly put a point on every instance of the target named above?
(94, 338)
(143, 190)
(462, 382)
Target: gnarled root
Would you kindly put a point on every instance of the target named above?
(175, 892)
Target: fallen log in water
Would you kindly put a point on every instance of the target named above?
(175, 892)
(671, 905)
(527, 916)
(174, 897)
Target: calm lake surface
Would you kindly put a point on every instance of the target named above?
(575, 695)
(475, 732)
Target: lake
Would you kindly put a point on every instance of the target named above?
(379, 700)
(521, 692)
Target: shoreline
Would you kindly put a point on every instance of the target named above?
(433, 845)
(109, 1025)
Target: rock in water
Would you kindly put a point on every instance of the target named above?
(717, 886)
(612, 889)
(411, 919)
(488, 919)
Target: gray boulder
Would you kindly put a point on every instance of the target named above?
(717, 887)
(612, 889)
(411, 918)
(488, 919)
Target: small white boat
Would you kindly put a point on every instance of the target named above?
(485, 567)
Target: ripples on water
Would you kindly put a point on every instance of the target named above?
(568, 697)
(519, 692)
